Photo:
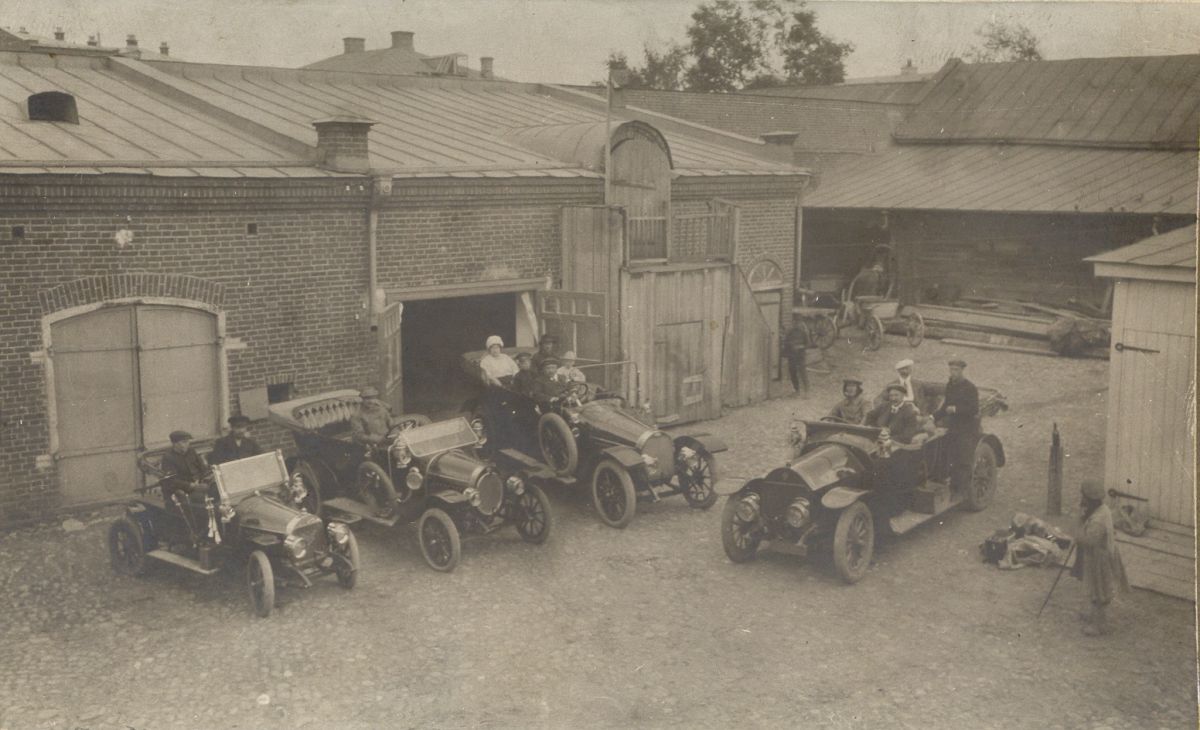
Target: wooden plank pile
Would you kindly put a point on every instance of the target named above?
(1027, 327)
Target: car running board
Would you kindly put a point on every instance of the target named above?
(357, 509)
(167, 556)
(908, 519)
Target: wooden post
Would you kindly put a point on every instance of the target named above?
(1054, 479)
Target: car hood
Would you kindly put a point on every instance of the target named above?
(456, 465)
(261, 511)
(614, 422)
(827, 464)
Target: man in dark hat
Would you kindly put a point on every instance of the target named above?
(183, 469)
(545, 349)
(236, 445)
(370, 426)
(899, 416)
(960, 414)
(794, 347)
(853, 407)
(545, 387)
(522, 382)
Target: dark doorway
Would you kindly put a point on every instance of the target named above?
(435, 334)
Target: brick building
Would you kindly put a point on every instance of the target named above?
(181, 242)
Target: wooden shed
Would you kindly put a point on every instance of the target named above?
(1150, 448)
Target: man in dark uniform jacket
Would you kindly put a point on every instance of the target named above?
(236, 445)
(523, 381)
(545, 350)
(183, 469)
(795, 349)
(897, 415)
(960, 412)
(545, 387)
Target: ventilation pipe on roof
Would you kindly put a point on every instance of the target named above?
(93, 41)
(164, 49)
(131, 41)
(342, 142)
(908, 68)
(485, 66)
(354, 45)
(59, 35)
(403, 40)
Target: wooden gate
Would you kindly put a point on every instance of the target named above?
(677, 394)
(391, 370)
(766, 281)
(746, 364)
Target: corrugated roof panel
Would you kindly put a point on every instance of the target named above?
(1175, 248)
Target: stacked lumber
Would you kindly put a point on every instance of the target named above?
(1017, 326)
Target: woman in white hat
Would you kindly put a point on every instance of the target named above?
(496, 364)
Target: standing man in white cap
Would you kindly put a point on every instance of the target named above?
(915, 392)
(496, 364)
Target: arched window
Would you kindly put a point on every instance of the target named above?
(53, 106)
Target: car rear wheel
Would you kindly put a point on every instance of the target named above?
(559, 449)
(983, 479)
(312, 485)
(260, 583)
(125, 547)
(533, 516)
(698, 479)
(375, 488)
(874, 328)
(739, 538)
(853, 542)
(347, 575)
(914, 328)
(439, 540)
(613, 493)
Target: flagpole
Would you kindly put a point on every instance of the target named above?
(608, 138)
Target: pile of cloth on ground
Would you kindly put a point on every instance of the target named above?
(1026, 541)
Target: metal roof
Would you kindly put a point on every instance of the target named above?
(1145, 102)
(1023, 178)
(1175, 248)
(882, 90)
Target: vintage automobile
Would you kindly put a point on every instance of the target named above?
(846, 484)
(249, 518)
(593, 435)
(430, 473)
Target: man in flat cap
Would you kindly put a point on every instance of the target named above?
(545, 386)
(960, 414)
(545, 350)
(794, 348)
(852, 408)
(236, 445)
(371, 424)
(1098, 562)
(523, 381)
(897, 415)
(183, 469)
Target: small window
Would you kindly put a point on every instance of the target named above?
(279, 392)
(251, 229)
(18, 231)
(53, 106)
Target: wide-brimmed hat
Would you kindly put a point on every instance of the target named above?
(493, 340)
(569, 355)
(177, 436)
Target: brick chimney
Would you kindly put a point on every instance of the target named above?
(93, 41)
(342, 142)
(354, 45)
(59, 35)
(403, 40)
(164, 49)
(485, 67)
(131, 41)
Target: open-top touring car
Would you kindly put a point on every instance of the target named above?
(430, 473)
(249, 517)
(592, 435)
(846, 484)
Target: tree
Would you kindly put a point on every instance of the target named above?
(743, 45)
(1004, 41)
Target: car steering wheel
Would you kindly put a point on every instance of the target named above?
(576, 390)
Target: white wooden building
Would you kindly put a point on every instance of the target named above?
(1150, 448)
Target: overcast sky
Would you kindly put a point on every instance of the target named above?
(567, 41)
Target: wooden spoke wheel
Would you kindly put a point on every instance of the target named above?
(125, 549)
(698, 479)
(440, 543)
(532, 515)
(260, 583)
(375, 488)
(982, 487)
(559, 450)
(874, 328)
(824, 331)
(739, 537)
(854, 542)
(613, 493)
(347, 575)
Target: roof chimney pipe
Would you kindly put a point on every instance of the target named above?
(342, 142)
(164, 49)
(403, 40)
(93, 41)
(59, 35)
(354, 45)
(485, 67)
(131, 41)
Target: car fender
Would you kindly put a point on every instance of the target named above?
(626, 456)
(994, 442)
(841, 497)
(449, 497)
(702, 441)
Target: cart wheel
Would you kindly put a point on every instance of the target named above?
(613, 493)
(312, 484)
(533, 516)
(739, 537)
(439, 540)
(983, 479)
(874, 328)
(260, 583)
(125, 548)
(376, 489)
(348, 576)
(825, 331)
(853, 542)
(698, 481)
(559, 449)
(914, 328)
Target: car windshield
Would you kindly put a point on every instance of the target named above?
(264, 471)
(819, 467)
(435, 438)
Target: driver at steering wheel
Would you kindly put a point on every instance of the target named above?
(184, 471)
(370, 426)
(546, 389)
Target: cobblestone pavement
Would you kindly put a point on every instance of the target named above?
(650, 626)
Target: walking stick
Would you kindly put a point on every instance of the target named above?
(1066, 560)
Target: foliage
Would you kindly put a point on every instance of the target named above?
(736, 45)
(1004, 41)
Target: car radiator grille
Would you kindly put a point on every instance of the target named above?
(660, 447)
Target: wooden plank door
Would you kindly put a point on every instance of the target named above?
(746, 365)
(391, 371)
(177, 368)
(679, 372)
(770, 304)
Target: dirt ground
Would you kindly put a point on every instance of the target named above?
(650, 626)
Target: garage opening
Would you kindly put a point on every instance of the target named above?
(434, 336)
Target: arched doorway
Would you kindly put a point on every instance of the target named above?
(124, 377)
(766, 281)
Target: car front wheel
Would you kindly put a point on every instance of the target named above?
(739, 537)
(260, 583)
(533, 516)
(983, 479)
(439, 540)
(613, 493)
(698, 479)
(347, 575)
(854, 542)
(375, 488)
(125, 547)
(312, 487)
(557, 443)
